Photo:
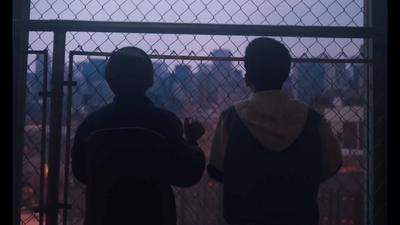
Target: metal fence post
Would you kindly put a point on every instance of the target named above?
(43, 138)
(53, 181)
(380, 99)
(377, 49)
(20, 43)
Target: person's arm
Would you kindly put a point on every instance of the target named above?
(78, 157)
(331, 152)
(218, 146)
(188, 160)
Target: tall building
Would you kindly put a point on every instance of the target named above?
(182, 86)
(33, 101)
(288, 87)
(220, 70)
(202, 78)
(335, 76)
(312, 80)
(356, 71)
(160, 70)
(33, 85)
(354, 96)
(225, 84)
(34, 79)
(346, 83)
(309, 79)
(80, 106)
(232, 89)
(39, 64)
(96, 92)
(159, 93)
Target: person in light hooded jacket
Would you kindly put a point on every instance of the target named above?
(271, 152)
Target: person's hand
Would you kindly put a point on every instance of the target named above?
(193, 130)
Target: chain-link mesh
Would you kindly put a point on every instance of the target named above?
(35, 141)
(203, 91)
(271, 12)
(380, 126)
(202, 87)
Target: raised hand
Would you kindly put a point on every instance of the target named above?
(193, 129)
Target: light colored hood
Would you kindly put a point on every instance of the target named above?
(273, 118)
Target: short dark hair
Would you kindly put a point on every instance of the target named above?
(129, 70)
(267, 63)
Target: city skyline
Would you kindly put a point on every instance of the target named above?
(217, 82)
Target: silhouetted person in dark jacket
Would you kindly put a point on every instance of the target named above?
(130, 152)
(270, 151)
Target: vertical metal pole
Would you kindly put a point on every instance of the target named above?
(338, 206)
(368, 115)
(43, 139)
(368, 142)
(332, 206)
(358, 200)
(53, 179)
(19, 94)
(20, 43)
(68, 140)
(380, 98)
(183, 206)
(220, 205)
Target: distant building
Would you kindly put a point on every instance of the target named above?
(218, 72)
(356, 71)
(309, 80)
(159, 93)
(33, 100)
(226, 83)
(96, 91)
(345, 191)
(335, 76)
(182, 85)
(39, 64)
(202, 78)
(289, 87)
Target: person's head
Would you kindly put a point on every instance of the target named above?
(267, 63)
(129, 71)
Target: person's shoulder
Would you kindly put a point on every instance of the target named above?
(237, 106)
(169, 119)
(228, 110)
(169, 124)
(96, 115)
(229, 114)
(315, 115)
(164, 112)
(312, 112)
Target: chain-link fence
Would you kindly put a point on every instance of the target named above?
(35, 136)
(201, 75)
(207, 88)
(265, 12)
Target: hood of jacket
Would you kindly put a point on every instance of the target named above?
(273, 118)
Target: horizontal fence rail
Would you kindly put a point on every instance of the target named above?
(183, 28)
(238, 59)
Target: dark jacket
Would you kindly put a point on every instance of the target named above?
(129, 153)
(272, 153)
